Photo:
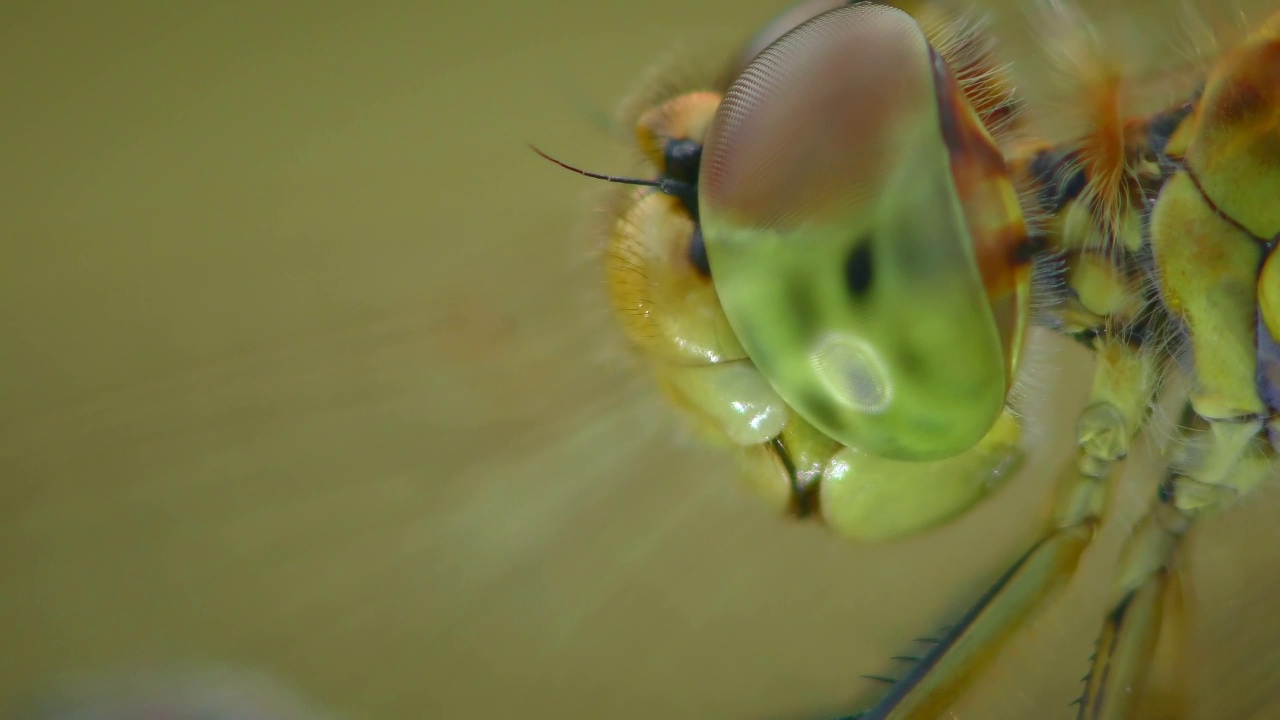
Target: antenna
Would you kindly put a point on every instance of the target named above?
(666, 185)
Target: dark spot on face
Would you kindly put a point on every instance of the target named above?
(858, 270)
(681, 160)
(698, 253)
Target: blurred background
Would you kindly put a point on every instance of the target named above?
(305, 369)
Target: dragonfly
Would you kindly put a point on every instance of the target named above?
(836, 260)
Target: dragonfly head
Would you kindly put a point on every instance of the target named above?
(866, 244)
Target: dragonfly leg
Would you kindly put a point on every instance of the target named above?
(1222, 461)
(1124, 381)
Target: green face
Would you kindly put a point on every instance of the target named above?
(838, 243)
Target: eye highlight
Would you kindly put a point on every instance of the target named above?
(853, 372)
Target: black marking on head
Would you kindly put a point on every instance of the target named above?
(681, 160)
(1057, 187)
(858, 268)
(698, 253)
(686, 194)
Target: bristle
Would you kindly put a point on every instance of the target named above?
(1049, 288)
(1199, 42)
(1026, 187)
(1207, 29)
(612, 203)
(1106, 143)
(1070, 42)
(964, 41)
(609, 348)
(1041, 366)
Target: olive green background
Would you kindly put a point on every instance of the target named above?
(304, 366)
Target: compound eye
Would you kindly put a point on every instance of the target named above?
(838, 242)
(812, 127)
(785, 21)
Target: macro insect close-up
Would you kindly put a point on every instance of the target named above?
(840, 249)
(900, 360)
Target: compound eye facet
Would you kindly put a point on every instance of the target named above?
(809, 128)
(797, 13)
(838, 242)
